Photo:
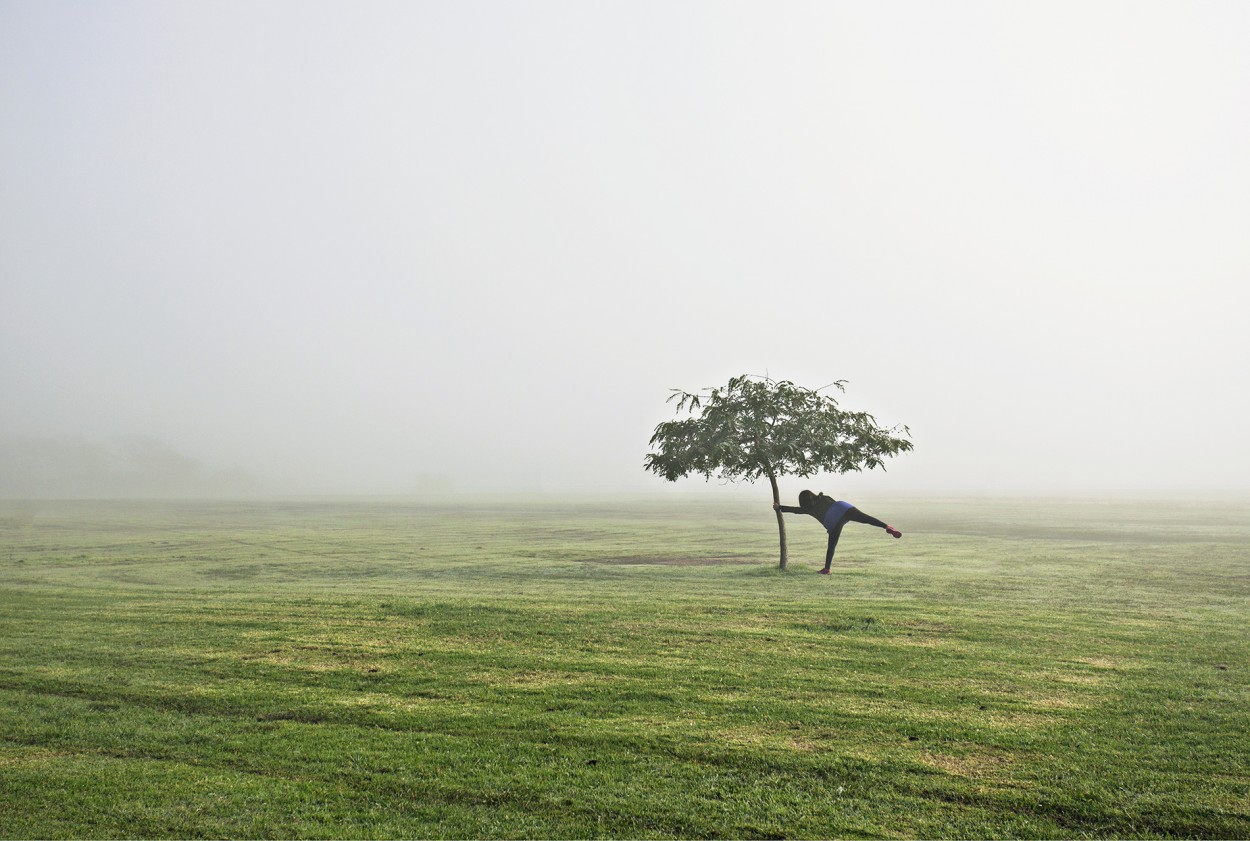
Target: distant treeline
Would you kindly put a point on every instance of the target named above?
(133, 466)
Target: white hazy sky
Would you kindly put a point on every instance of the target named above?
(343, 245)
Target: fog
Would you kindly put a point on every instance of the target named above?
(314, 247)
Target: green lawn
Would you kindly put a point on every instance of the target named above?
(623, 669)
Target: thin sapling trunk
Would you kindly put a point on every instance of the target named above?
(781, 521)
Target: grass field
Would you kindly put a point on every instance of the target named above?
(623, 669)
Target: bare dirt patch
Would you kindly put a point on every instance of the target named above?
(975, 766)
(685, 561)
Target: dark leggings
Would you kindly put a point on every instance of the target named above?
(853, 515)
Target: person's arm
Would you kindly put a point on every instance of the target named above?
(788, 509)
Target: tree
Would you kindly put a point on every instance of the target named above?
(756, 427)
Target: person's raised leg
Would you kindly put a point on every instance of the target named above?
(858, 516)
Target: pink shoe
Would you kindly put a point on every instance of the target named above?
(824, 572)
(893, 532)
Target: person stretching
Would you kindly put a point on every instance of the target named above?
(833, 515)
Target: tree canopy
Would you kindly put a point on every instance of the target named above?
(757, 427)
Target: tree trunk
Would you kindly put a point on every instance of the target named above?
(781, 523)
